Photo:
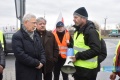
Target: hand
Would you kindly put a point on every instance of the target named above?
(1, 69)
(113, 76)
(40, 66)
(73, 58)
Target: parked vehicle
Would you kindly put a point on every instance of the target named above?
(114, 33)
(8, 42)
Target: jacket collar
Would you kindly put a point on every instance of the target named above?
(47, 35)
(25, 34)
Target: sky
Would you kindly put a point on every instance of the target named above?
(98, 10)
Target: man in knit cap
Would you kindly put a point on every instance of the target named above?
(87, 46)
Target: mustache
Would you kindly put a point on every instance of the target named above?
(42, 26)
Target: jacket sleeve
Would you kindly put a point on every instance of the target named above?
(71, 43)
(93, 41)
(19, 53)
(42, 54)
(2, 57)
(103, 55)
(55, 49)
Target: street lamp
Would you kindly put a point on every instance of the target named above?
(105, 26)
(20, 9)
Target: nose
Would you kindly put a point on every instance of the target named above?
(35, 25)
(42, 24)
(74, 19)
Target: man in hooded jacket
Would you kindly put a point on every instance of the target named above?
(87, 46)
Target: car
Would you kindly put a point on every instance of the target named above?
(114, 34)
(8, 42)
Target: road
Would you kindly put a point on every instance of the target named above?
(9, 71)
(111, 47)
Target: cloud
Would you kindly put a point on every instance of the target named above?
(98, 10)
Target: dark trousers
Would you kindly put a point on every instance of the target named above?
(1, 76)
(57, 69)
(93, 77)
(85, 74)
(48, 76)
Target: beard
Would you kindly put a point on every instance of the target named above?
(78, 24)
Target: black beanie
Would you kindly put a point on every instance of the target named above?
(81, 11)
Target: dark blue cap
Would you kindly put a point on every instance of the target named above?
(60, 24)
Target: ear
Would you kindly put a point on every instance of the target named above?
(25, 22)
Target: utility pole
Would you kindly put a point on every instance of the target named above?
(44, 14)
(20, 9)
(105, 26)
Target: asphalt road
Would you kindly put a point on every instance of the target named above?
(111, 47)
(9, 71)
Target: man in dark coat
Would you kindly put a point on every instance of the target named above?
(2, 61)
(50, 46)
(28, 51)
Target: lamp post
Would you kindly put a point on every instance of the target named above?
(44, 14)
(105, 26)
(20, 10)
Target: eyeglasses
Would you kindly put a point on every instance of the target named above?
(33, 22)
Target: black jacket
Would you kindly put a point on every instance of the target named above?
(103, 55)
(91, 39)
(28, 53)
(2, 57)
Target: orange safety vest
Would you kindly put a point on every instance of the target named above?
(62, 46)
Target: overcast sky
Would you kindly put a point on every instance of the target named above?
(98, 10)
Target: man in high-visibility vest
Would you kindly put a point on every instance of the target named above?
(116, 63)
(87, 46)
(64, 41)
(1, 39)
(2, 61)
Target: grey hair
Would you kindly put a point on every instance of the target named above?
(81, 16)
(27, 17)
(40, 18)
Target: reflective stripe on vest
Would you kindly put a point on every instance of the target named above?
(79, 46)
(81, 49)
(63, 50)
(63, 53)
(62, 46)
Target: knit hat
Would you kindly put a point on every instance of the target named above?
(81, 12)
(60, 24)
